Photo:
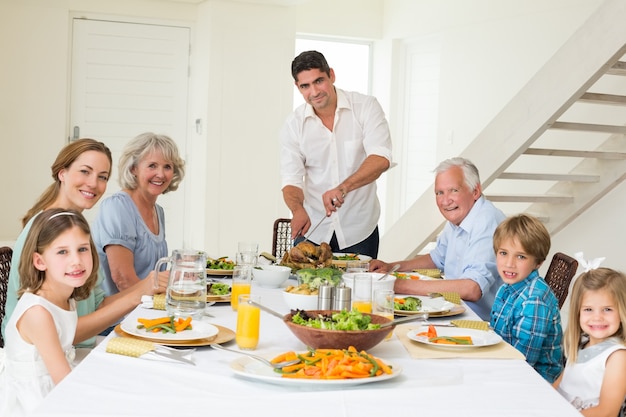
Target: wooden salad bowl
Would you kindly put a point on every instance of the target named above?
(339, 339)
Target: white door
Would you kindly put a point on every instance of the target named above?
(129, 78)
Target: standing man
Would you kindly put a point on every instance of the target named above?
(333, 148)
(464, 250)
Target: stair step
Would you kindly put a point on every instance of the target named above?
(598, 98)
(549, 177)
(576, 154)
(619, 68)
(589, 127)
(549, 199)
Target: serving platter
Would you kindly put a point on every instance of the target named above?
(480, 338)
(224, 335)
(432, 306)
(256, 371)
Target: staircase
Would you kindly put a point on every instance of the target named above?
(556, 148)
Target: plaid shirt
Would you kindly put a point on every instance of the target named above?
(526, 315)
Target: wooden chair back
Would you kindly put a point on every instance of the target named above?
(281, 241)
(560, 273)
(6, 253)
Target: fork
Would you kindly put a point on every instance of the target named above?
(278, 365)
(173, 353)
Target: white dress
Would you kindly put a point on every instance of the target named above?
(582, 381)
(24, 378)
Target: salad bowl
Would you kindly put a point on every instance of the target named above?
(338, 339)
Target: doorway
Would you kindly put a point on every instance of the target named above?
(126, 79)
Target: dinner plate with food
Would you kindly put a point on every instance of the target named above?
(453, 337)
(221, 266)
(168, 328)
(341, 259)
(417, 304)
(317, 372)
(218, 292)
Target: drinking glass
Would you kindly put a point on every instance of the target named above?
(248, 322)
(362, 297)
(247, 253)
(382, 305)
(357, 266)
(241, 283)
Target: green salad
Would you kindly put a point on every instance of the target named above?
(407, 304)
(344, 320)
(220, 263)
(217, 288)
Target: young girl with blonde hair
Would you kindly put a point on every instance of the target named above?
(594, 378)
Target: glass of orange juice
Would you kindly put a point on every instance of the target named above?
(248, 322)
(362, 297)
(382, 305)
(241, 283)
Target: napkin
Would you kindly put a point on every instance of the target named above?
(433, 273)
(135, 348)
(452, 297)
(156, 301)
(471, 324)
(421, 351)
(129, 347)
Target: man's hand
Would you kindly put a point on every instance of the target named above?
(300, 223)
(376, 265)
(333, 199)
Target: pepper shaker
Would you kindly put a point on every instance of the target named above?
(325, 296)
(343, 297)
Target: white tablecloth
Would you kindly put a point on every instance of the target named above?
(106, 384)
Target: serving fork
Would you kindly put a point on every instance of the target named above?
(278, 365)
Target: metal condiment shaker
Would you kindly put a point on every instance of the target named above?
(325, 296)
(343, 297)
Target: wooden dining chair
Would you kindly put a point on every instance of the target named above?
(6, 253)
(560, 273)
(281, 241)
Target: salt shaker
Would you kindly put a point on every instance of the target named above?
(325, 296)
(343, 297)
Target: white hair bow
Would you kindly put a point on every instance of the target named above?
(588, 265)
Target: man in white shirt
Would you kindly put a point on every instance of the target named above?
(333, 148)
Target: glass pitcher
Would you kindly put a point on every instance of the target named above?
(186, 289)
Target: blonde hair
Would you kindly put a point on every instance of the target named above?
(142, 145)
(45, 229)
(64, 160)
(528, 231)
(596, 279)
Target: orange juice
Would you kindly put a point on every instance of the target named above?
(248, 323)
(390, 317)
(362, 306)
(236, 289)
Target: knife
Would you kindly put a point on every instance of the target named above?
(312, 230)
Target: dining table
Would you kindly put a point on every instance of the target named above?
(109, 384)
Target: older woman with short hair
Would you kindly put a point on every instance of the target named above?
(129, 230)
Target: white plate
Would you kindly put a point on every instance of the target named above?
(429, 305)
(480, 338)
(251, 369)
(419, 276)
(200, 330)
